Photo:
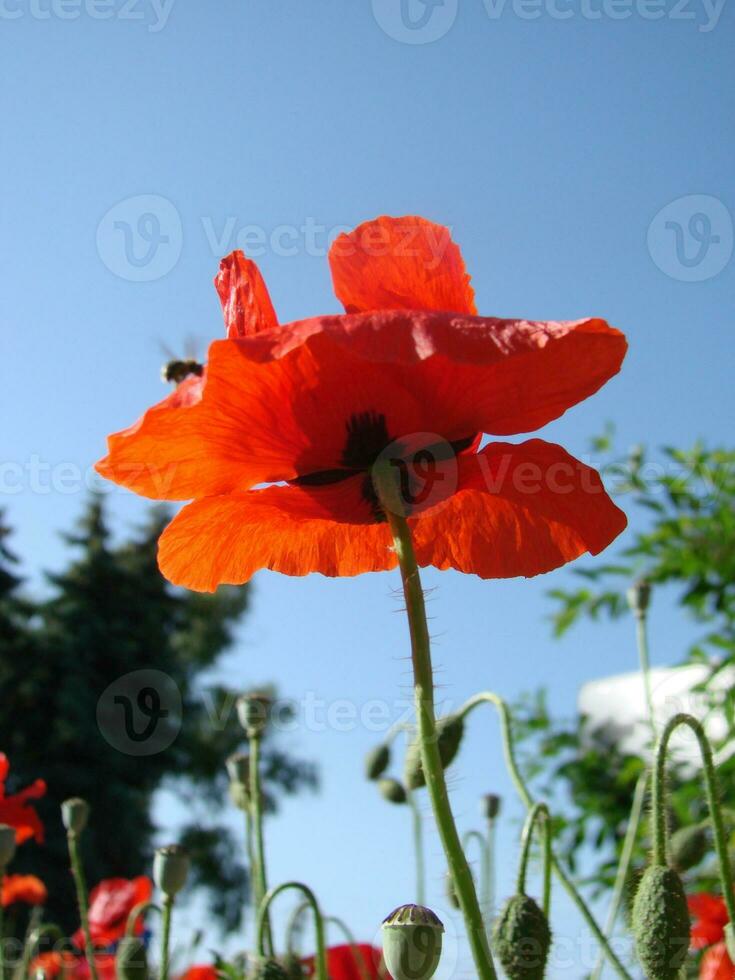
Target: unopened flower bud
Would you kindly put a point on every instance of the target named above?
(238, 767)
(521, 937)
(170, 869)
(490, 806)
(639, 596)
(687, 847)
(7, 845)
(412, 942)
(392, 791)
(253, 710)
(377, 761)
(270, 970)
(449, 731)
(75, 814)
(661, 923)
(131, 960)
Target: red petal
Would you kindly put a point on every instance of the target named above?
(710, 915)
(716, 964)
(225, 540)
(246, 304)
(519, 510)
(404, 263)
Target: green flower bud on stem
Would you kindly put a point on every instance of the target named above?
(270, 970)
(687, 847)
(392, 791)
(661, 923)
(170, 869)
(449, 731)
(131, 960)
(522, 938)
(377, 761)
(253, 711)
(412, 942)
(75, 814)
(490, 806)
(639, 597)
(7, 845)
(238, 767)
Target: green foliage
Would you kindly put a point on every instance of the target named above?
(110, 612)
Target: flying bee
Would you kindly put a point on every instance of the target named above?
(178, 369)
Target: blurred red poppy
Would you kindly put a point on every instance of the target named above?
(411, 376)
(358, 962)
(110, 904)
(709, 913)
(200, 972)
(16, 811)
(24, 888)
(716, 964)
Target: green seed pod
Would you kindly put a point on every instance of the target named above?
(131, 960)
(687, 847)
(7, 845)
(449, 734)
(412, 942)
(75, 814)
(377, 761)
(253, 711)
(639, 597)
(270, 970)
(392, 791)
(522, 938)
(170, 869)
(661, 923)
(490, 806)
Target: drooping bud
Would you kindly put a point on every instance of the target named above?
(490, 806)
(639, 597)
(687, 847)
(170, 869)
(270, 970)
(521, 937)
(377, 761)
(7, 845)
(131, 960)
(661, 923)
(253, 711)
(412, 942)
(75, 814)
(392, 791)
(449, 732)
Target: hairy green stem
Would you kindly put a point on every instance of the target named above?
(418, 847)
(539, 811)
(489, 697)
(168, 904)
(426, 723)
(262, 920)
(641, 633)
(81, 888)
(260, 878)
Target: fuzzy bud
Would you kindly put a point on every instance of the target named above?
(377, 761)
(131, 960)
(392, 791)
(270, 970)
(639, 597)
(490, 806)
(75, 814)
(412, 942)
(521, 937)
(253, 711)
(7, 845)
(170, 869)
(661, 923)
(687, 847)
(449, 732)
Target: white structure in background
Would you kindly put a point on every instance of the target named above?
(616, 707)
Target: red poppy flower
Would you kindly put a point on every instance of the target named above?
(110, 904)
(358, 962)
(23, 888)
(200, 972)
(15, 811)
(710, 918)
(53, 963)
(716, 964)
(104, 965)
(410, 375)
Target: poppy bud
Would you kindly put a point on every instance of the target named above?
(252, 710)
(687, 847)
(75, 814)
(412, 942)
(270, 970)
(490, 806)
(449, 731)
(238, 767)
(131, 960)
(521, 937)
(639, 596)
(377, 761)
(170, 869)
(661, 923)
(392, 791)
(7, 845)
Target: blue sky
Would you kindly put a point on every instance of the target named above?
(550, 135)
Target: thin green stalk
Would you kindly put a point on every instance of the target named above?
(293, 925)
(426, 722)
(81, 888)
(32, 941)
(357, 954)
(168, 904)
(258, 841)
(488, 870)
(418, 847)
(641, 632)
(626, 856)
(488, 697)
(539, 811)
(475, 835)
(262, 920)
(658, 803)
(135, 913)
